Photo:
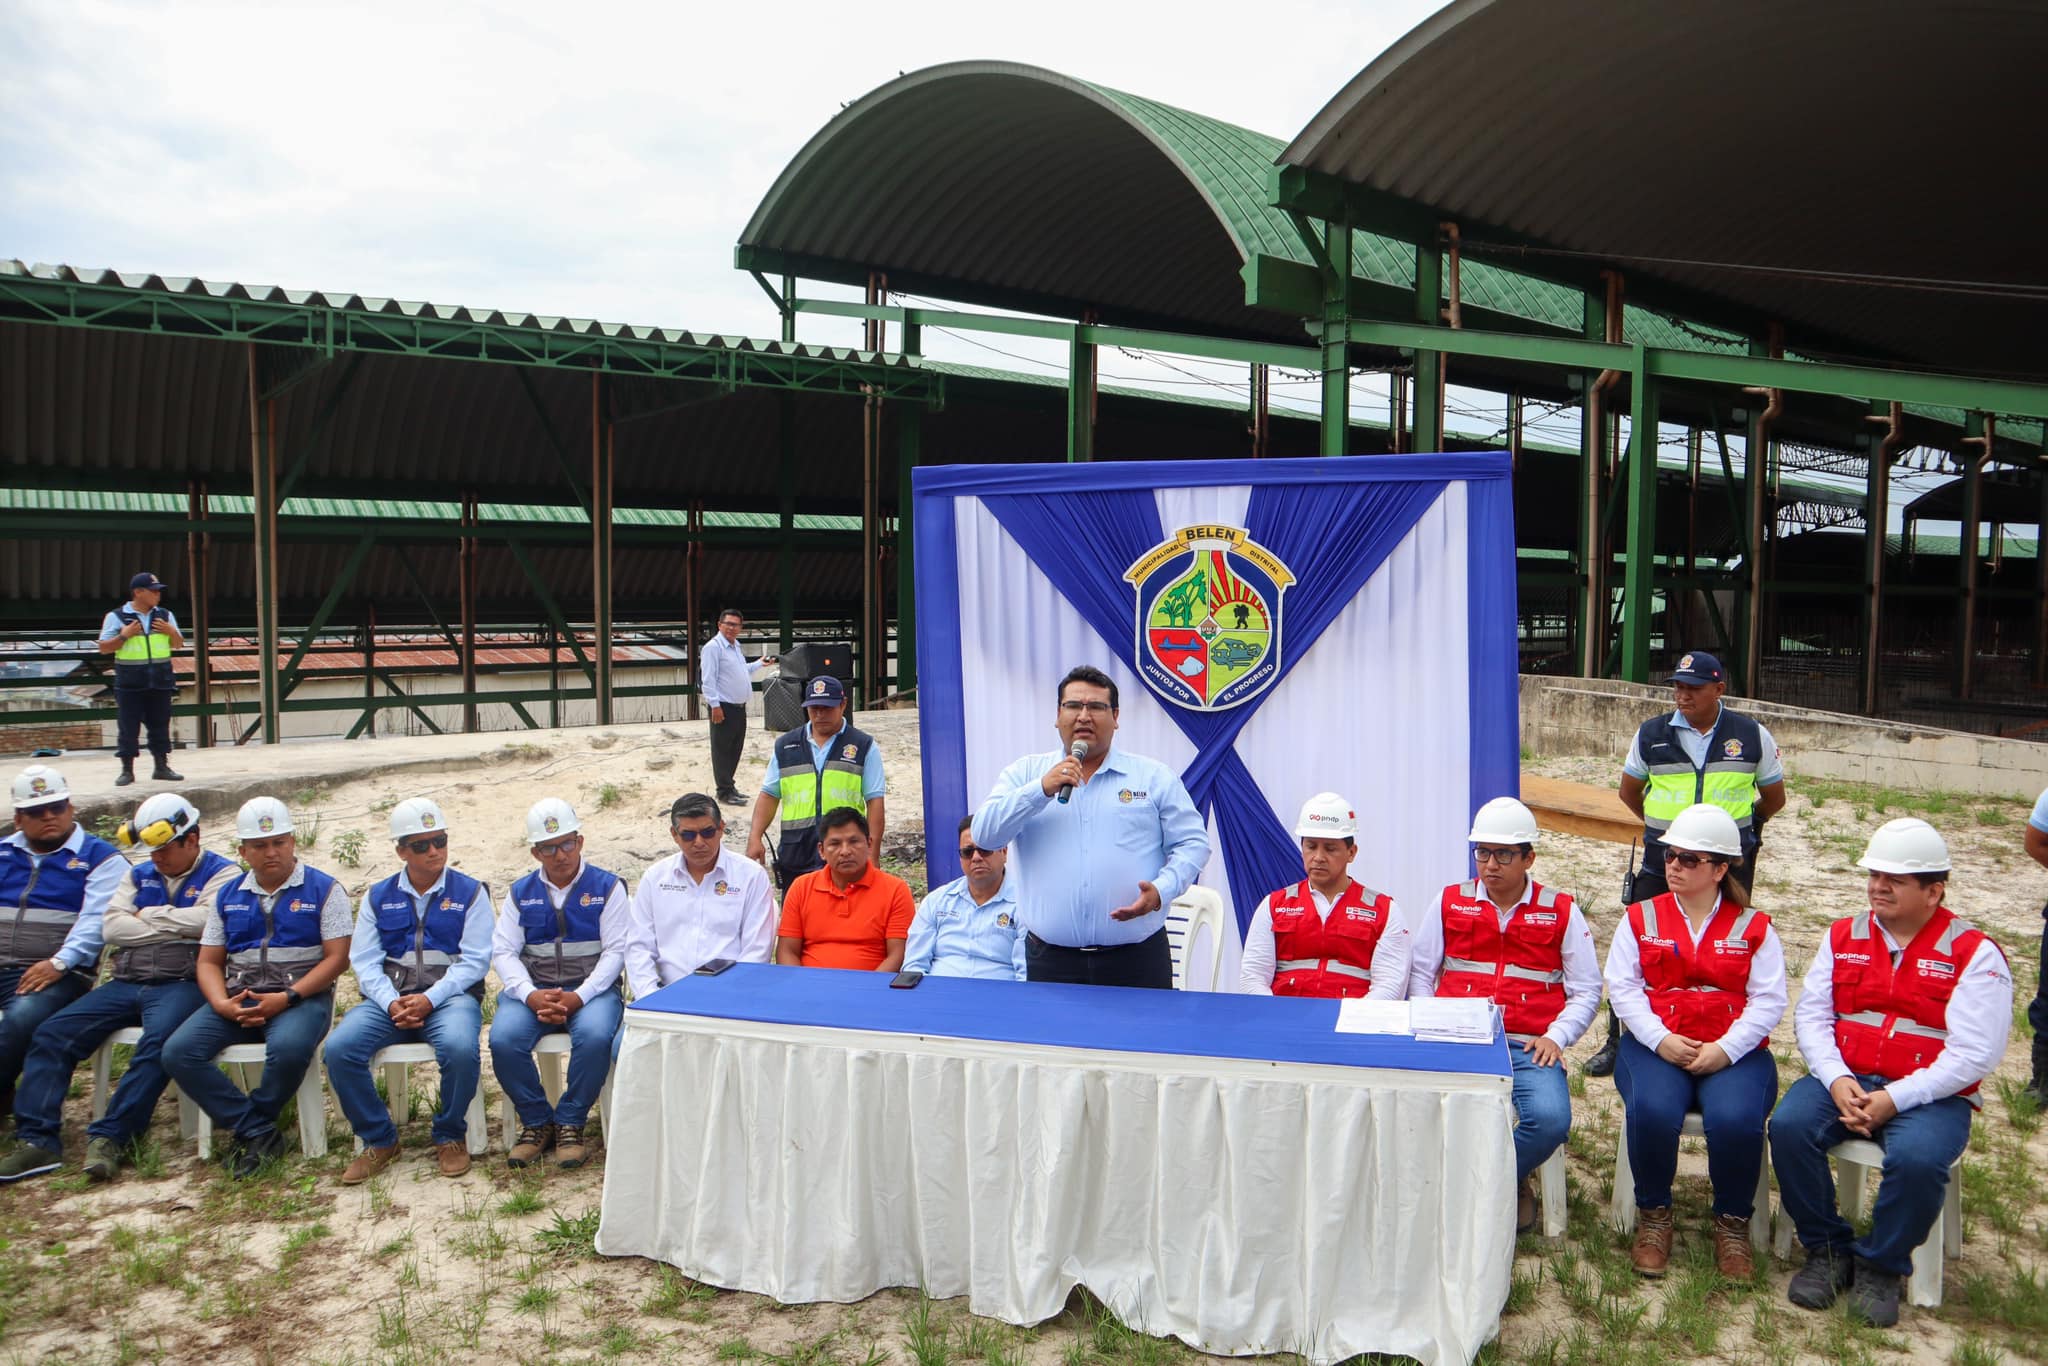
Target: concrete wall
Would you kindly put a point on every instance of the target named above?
(1578, 716)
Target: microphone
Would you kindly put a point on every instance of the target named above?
(1079, 751)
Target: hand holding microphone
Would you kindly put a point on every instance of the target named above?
(1069, 771)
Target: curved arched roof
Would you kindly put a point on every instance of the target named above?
(1750, 151)
(1010, 185)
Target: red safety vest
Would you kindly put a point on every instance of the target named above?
(1697, 989)
(1521, 967)
(1326, 957)
(1893, 1021)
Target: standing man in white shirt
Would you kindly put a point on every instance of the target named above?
(726, 682)
(1904, 1012)
(1527, 948)
(1298, 944)
(559, 947)
(701, 903)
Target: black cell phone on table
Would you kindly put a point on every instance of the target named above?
(713, 967)
(906, 980)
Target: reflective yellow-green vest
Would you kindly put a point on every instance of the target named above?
(143, 660)
(1726, 778)
(808, 790)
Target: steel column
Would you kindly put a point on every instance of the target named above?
(369, 722)
(1335, 359)
(1876, 508)
(1592, 613)
(2041, 579)
(466, 588)
(1429, 365)
(1262, 411)
(198, 576)
(1080, 399)
(785, 553)
(909, 450)
(692, 608)
(601, 547)
(1976, 448)
(1638, 581)
(1756, 473)
(263, 465)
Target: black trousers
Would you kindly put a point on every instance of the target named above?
(141, 707)
(728, 738)
(1147, 963)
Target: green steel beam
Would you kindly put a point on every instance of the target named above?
(330, 330)
(1591, 603)
(909, 452)
(1637, 572)
(1052, 329)
(1569, 352)
(1333, 358)
(2005, 397)
(552, 609)
(1080, 399)
(1427, 304)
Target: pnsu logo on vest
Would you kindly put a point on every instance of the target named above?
(1208, 628)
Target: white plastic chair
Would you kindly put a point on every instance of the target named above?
(103, 1082)
(1550, 1189)
(1194, 929)
(1860, 1158)
(245, 1066)
(1623, 1199)
(397, 1062)
(551, 1055)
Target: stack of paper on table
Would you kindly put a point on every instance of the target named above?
(1461, 1020)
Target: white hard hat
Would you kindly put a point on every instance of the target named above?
(1504, 821)
(262, 817)
(160, 819)
(417, 816)
(549, 818)
(1906, 845)
(1704, 829)
(1326, 816)
(39, 785)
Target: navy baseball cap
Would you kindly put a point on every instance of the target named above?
(824, 691)
(146, 580)
(1697, 668)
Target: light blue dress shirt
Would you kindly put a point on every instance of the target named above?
(1771, 770)
(872, 782)
(723, 677)
(953, 937)
(2039, 817)
(366, 947)
(1132, 822)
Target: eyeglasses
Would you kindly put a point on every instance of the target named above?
(425, 843)
(968, 851)
(692, 836)
(45, 810)
(1075, 708)
(1496, 855)
(558, 848)
(1688, 860)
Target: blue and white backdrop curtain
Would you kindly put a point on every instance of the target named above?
(1393, 647)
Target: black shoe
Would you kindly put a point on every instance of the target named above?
(1874, 1298)
(733, 797)
(127, 774)
(1601, 1064)
(2038, 1087)
(164, 774)
(251, 1153)
(1827, 1273)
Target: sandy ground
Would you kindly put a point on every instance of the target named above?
(176, 1263)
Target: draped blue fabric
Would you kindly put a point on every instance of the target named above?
(1333, 537)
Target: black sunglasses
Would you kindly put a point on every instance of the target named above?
(692, 836)
(1689, 860)
(968, 851)
(427, 842)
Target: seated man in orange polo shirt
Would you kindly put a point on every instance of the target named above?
(848, 914)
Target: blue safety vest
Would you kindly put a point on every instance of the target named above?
(41, 898)
(269, 948)
(419, 950)
(174, 960)
(562, 946)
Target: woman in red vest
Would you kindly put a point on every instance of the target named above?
(1698, 977)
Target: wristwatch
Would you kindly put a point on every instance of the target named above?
(291, 995)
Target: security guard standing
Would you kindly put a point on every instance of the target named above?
(141, 635)
(1701, 752)
(821, 765)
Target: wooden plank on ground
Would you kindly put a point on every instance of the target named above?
(1580, 809)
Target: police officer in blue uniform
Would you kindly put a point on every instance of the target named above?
(142, 634)
(55, 882)
(421, 947)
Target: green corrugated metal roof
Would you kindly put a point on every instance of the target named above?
(365, 509)
(2014, 547)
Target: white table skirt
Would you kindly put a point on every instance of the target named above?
(1243, 1207)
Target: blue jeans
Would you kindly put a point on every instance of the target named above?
(514, 1032)
(75, 1033)
(450, 1029)
(1543, 1110)
(289, 1041)
(1919, 1147)
(22, 1014)
(1733, 1104)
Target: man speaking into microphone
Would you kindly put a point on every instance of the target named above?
(1101, 841)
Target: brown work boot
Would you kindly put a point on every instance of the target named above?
(570, 1149)
(1652, 1252)
(453, 1157)
(534, 1139)
(1525, 1206)
(1732, 1257)
(368, 1163)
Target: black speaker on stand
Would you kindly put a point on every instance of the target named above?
(782, 701)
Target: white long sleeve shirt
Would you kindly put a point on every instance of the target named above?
(1767, 990)
(676, 923)
(1389, 955)
(126, 927)
(508, 941)
(1979, 1019)
(1581, 965)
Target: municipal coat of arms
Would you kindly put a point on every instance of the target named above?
(1209, 617)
